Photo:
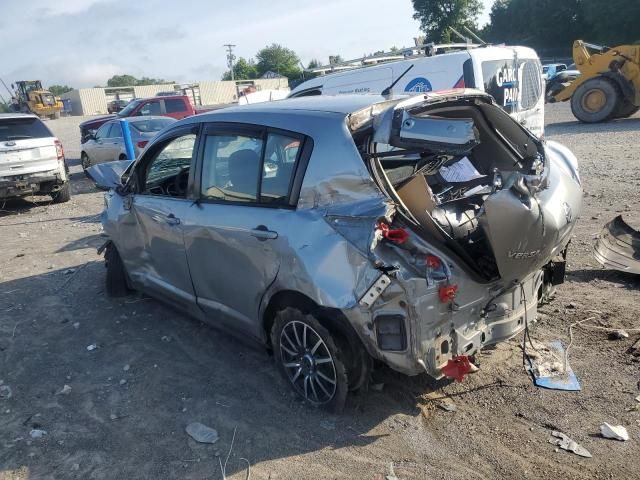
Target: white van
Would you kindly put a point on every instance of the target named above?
(512, 75)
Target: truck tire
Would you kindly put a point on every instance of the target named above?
(309, 359)
(63, 195)
(626, 109)
(117, 281)
(596, 100)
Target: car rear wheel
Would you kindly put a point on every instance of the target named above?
(307, 356)
(117, 281)
(596, 100)
(84, 161)
(63, 195)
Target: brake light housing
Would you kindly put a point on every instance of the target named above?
(142, 143)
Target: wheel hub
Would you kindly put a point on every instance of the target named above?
(308, 364)
(594, 100)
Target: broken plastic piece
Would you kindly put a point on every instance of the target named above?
(458, 367)
(395, 235)
(433, 262)
(447, 293)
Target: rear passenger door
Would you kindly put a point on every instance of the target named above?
(112, 145)
(246, 181)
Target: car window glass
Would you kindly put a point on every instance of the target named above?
(103, 131)
(168, 172)
(175, 105)
(22, 128)
(151, 125)
(280, 157)
(230, 167)
(150, 108)
(116, 130)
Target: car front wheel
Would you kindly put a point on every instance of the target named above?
(84, 161)
(307, 356)
(117, 281)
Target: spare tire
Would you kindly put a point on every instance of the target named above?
(596, 100)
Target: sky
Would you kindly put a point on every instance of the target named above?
(82, 43)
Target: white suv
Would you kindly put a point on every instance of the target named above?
(31, 159)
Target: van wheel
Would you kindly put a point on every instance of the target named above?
(596, 100)
(117, 281)
(307, 356)
(63, 195)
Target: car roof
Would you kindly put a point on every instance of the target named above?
(141, 119)
(340, 104)
(10, 116)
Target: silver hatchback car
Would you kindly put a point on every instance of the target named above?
(341, 230)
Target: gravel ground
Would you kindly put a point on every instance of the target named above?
(153, 370)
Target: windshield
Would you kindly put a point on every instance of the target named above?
(151, 126)
(21, 128)
(126, 111)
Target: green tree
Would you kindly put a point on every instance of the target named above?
(278, 59)
(313, 63)
(436, 16)
(60, 89)
(615, 22)
(122, 81)
(152, 81)
(243, 69)
(335, 59)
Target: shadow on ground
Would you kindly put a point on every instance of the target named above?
(179, 371)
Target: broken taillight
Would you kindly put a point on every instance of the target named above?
(433, 262)
(447, 293)
(142, 143)
(395, 235)
(458, 367)
(59, 150)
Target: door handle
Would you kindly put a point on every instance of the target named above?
(170, 219)
(263, 233)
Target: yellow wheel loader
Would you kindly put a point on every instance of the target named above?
(608, 86)
(32, 98)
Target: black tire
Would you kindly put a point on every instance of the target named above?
(596, 100)
(626, 109)
(117, 281)
(311, 362)
(63, 195)
(84, 161)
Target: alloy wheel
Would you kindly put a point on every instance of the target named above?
(308, 362)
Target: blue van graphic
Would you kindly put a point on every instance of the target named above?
(418, 85)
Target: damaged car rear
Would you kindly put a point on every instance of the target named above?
(342, 230)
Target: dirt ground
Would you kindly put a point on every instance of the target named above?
(154, 371)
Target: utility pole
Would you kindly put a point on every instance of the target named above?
(230, 58)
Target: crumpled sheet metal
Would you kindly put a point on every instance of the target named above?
(550, 368)
(569, 445)
(618, 247)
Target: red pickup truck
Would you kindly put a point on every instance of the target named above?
(176, 106)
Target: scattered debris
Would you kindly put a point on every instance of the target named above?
(5, 392)
(571, 306)
(76, 325)
(549, 367)
(635, 349)
(446, 404)
(69, 271)
(92, 347)
(165, 338)
(123, 381)
(126, 367)
(569, 445)
(37, 433)
(66, 390)
(617, 432)
(113, 416)
(201, 433)
(618, 334)
(638, 399)
(75, 467)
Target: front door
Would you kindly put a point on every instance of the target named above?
(235, 237)
(157, 260)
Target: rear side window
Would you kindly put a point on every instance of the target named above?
(249, 168)
(22, 128)
(175, 105)
(147, 126)
(116, 130)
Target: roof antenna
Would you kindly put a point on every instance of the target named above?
(387, 91)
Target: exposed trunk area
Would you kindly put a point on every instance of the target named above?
(443, 184)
